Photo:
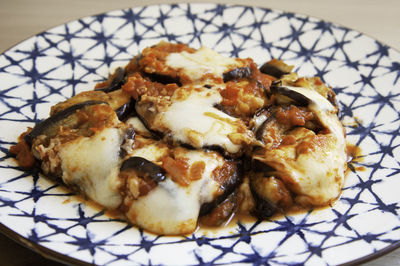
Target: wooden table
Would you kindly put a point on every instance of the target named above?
(21, 19)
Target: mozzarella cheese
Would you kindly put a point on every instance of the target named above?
(334, 156)
(318, 102)
(137, 125)
(92, 164)
(153, 152)
(171, 208)
(197, 122)
(203, 61)
(317, 175)
(190, 116)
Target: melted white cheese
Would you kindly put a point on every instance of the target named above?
(195, 121)
(318, 175)
(257, 121)
(203, 61)
(318, 102)
(137, 125)
(173, 209)
(92, 163)
(153, 152)
(322, 180)
(336, 157)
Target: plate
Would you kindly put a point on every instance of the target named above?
(56, 64)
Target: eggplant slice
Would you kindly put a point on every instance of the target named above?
(298, 98)
(187, 183)
(163, 79)
(118, 79)
(237, 73)
(126, 110)
(221, 213)
(270, 195)
(276, 68)
(309, 159)
(144, 167)
(195, 121)
(46, 126)
(228, 186)
(181, 135)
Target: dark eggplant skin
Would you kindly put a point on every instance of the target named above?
(129, 134)
(221, 213)
(269, 122)
(259, 166)
(144, 166)
(260, 131)
(116, 82)
(138, 110)
(41, 127)
(263, 208)
(237, 73)
(229, 187)
(163, 79)
(299, 98)
(126, 110)
(272, 70)
(156, 77)
(220, 150)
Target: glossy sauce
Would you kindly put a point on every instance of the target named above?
(354, 156)
(177, 201)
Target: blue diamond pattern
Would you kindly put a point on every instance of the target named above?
(58, 63)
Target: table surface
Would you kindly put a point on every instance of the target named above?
(21, 19)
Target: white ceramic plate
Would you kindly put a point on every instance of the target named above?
(54, 65)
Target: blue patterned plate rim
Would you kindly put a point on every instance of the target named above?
(292, 20)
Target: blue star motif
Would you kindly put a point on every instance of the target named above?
(86, 51)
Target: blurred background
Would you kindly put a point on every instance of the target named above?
(20, 19)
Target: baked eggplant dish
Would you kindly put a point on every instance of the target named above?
(181, 137)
